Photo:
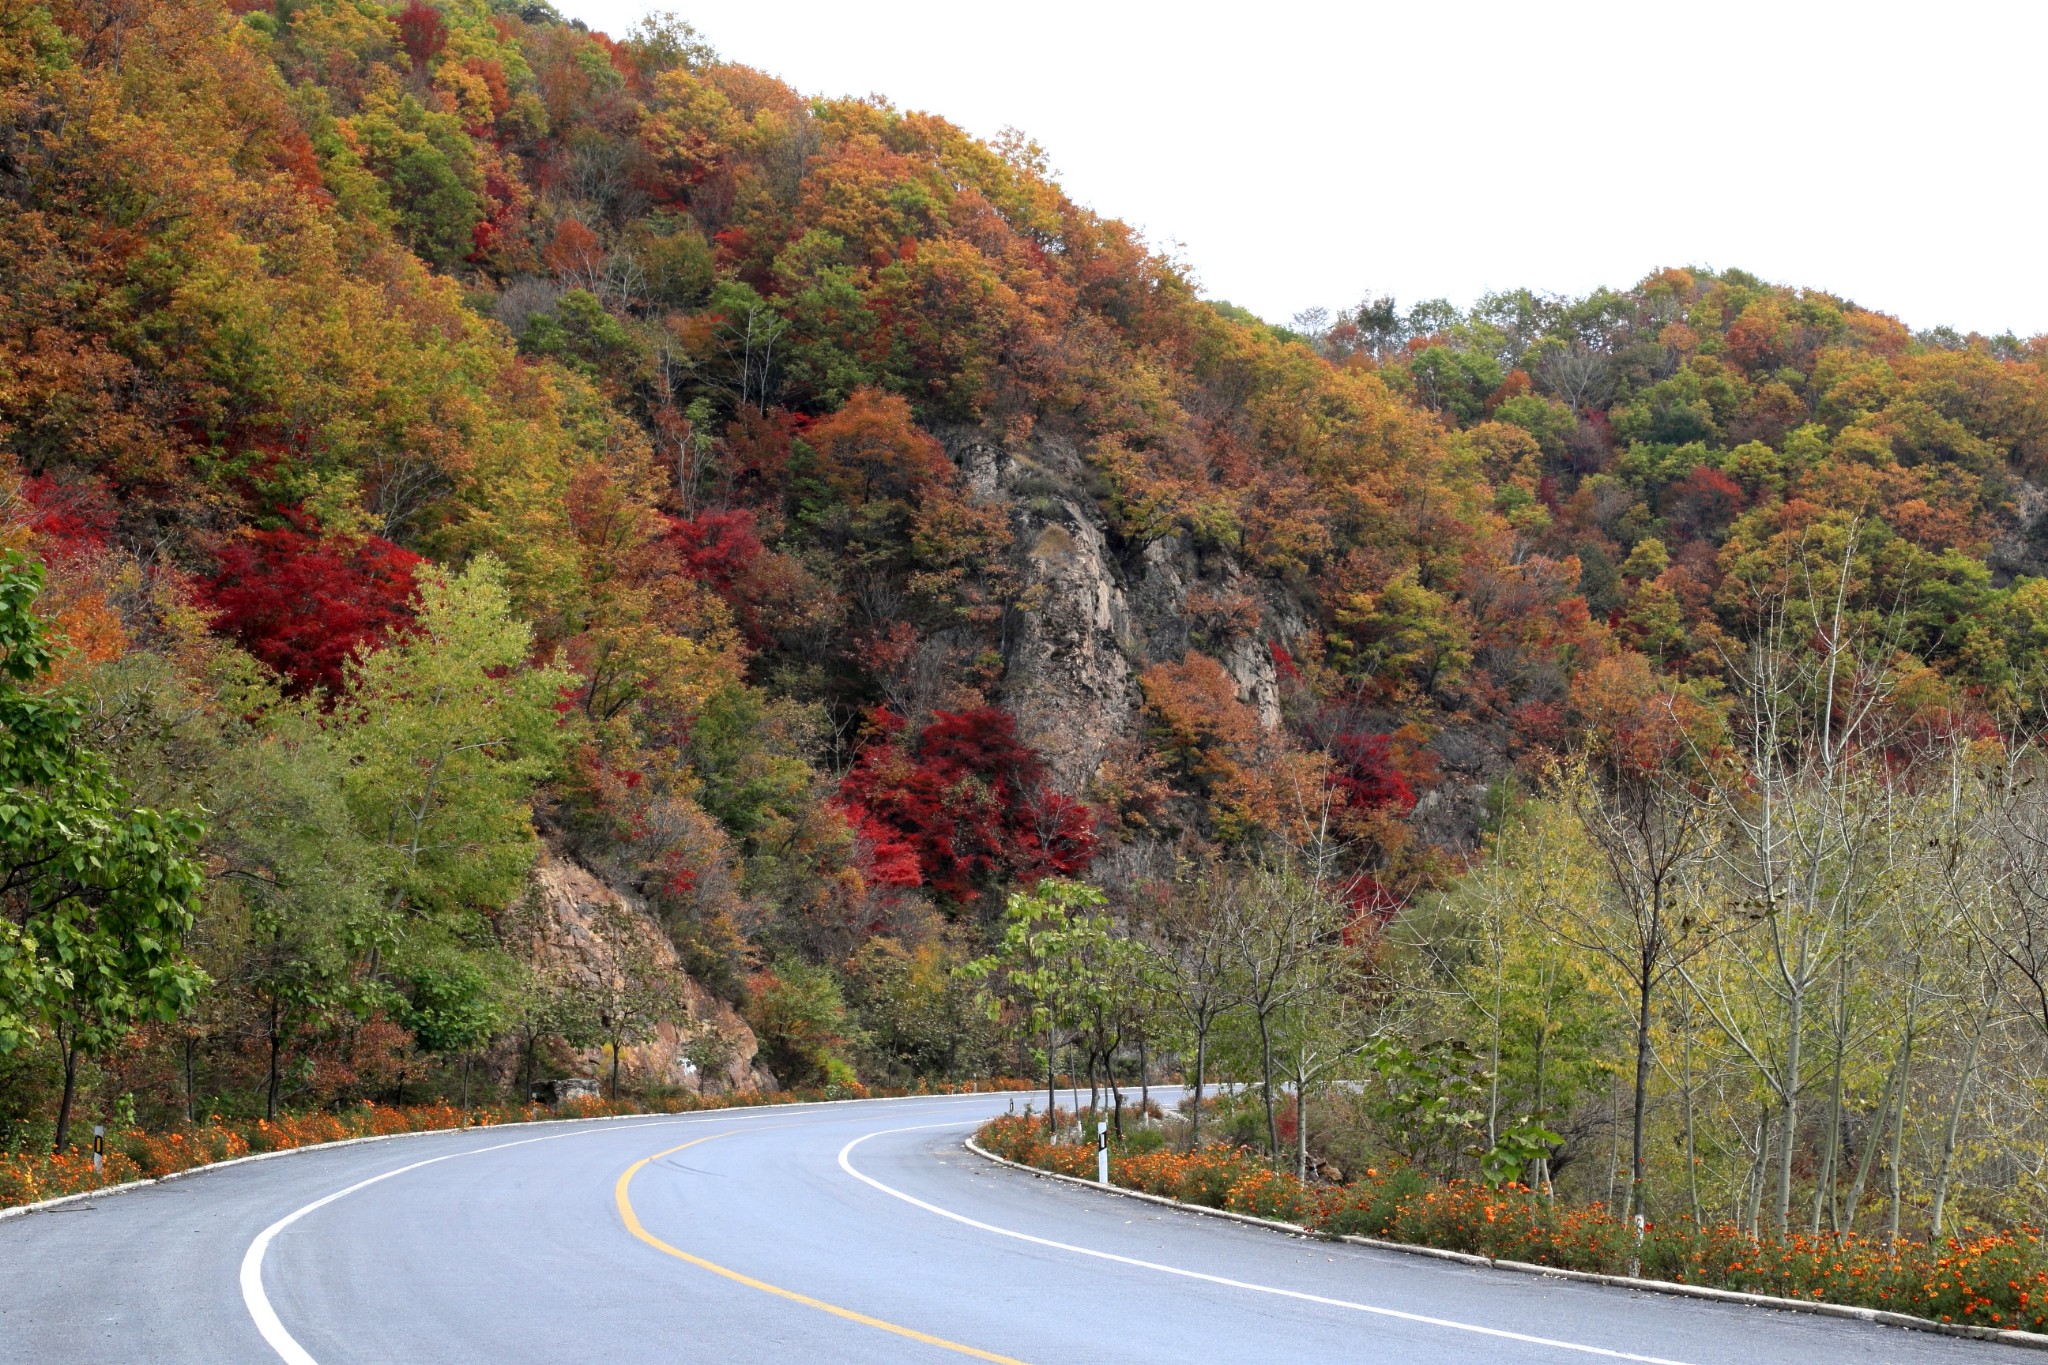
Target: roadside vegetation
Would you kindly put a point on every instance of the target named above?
(1991, 1280)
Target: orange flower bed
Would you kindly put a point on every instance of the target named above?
(1997, 1279)
(27, 1177)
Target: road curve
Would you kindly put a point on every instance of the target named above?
(849, 1232)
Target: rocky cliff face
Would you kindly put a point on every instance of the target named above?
(1096, 621)
(588, 938)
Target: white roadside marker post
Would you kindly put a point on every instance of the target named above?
(1101, 1153)
(99, 1147)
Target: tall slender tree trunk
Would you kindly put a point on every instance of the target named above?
(1144, 1080)
(1201, 1063)
(1948, 1138)
(1637, 1194)
(1613, 1140)
(1052, 1084)
(1894, 1087)
(1782, 1199)
(1825, 1193)
(1898, 1144)
(1493, 1072)
(1266, 1065)
(274, 1072)
(1760, 1175)
(67, 1039)
(1300, 1131)
(1539, 1170)
(191, 1077)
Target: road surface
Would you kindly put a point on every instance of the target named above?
(847, 1232)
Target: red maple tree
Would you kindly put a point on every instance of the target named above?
(304, 604)
(969, 803)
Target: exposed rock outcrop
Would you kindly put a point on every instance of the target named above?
(1092, 623)
(589, 938)
(1068, 680)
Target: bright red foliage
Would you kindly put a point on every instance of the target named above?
(1703, 503)
(891, 861)
(1366, 774)
(303, 605)
(717, 548)
(76, 515)
(423, 32)
(970, 803)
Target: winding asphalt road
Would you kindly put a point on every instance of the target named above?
(848, 1232)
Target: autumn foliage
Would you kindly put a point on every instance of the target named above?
(305, 604)
(967, 802)
(1996, 1280)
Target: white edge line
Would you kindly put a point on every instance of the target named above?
(58, 1201)
(287, 1346)
(1301, 1296)
(1882, 1317)
(258, 1303)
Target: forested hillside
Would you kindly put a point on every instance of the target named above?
(453, 441)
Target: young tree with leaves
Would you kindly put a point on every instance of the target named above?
(1054, 937)
(95, 892)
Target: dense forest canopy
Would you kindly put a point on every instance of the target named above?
(443, 431)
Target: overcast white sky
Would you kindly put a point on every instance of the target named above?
(1300, 154)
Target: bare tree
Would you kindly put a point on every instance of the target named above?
(1653, 832)
(1277, 928)
(1196, 929)
(1805, 817)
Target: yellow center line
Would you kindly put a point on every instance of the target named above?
(633, 1226)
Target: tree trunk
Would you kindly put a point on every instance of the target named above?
(1898, 1143)
(1201, 1062)
(1613, 1139)
(67, 1039)
(1144, 1082)
(1300, 1131)
(615, 1069)
(1539, 1170)
(466, 1059)
(273, 1074)
(191, 1078)
(1637, 1195)
(1762, 1172)
(1901, 1072)
(1266, 1070)
(1948, 1140)
(1493, 1073)
(1052, 1085)
(1825, 1192)
(1692, 1160)
(1782, 1201)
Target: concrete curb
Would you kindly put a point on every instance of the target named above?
(1882, 1317)
(1119, 1192)
(41, 1205)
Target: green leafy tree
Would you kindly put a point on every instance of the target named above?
(447, 732)
(799, 1013)
(453, 1011)
(1053, 936)
(95, 892)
